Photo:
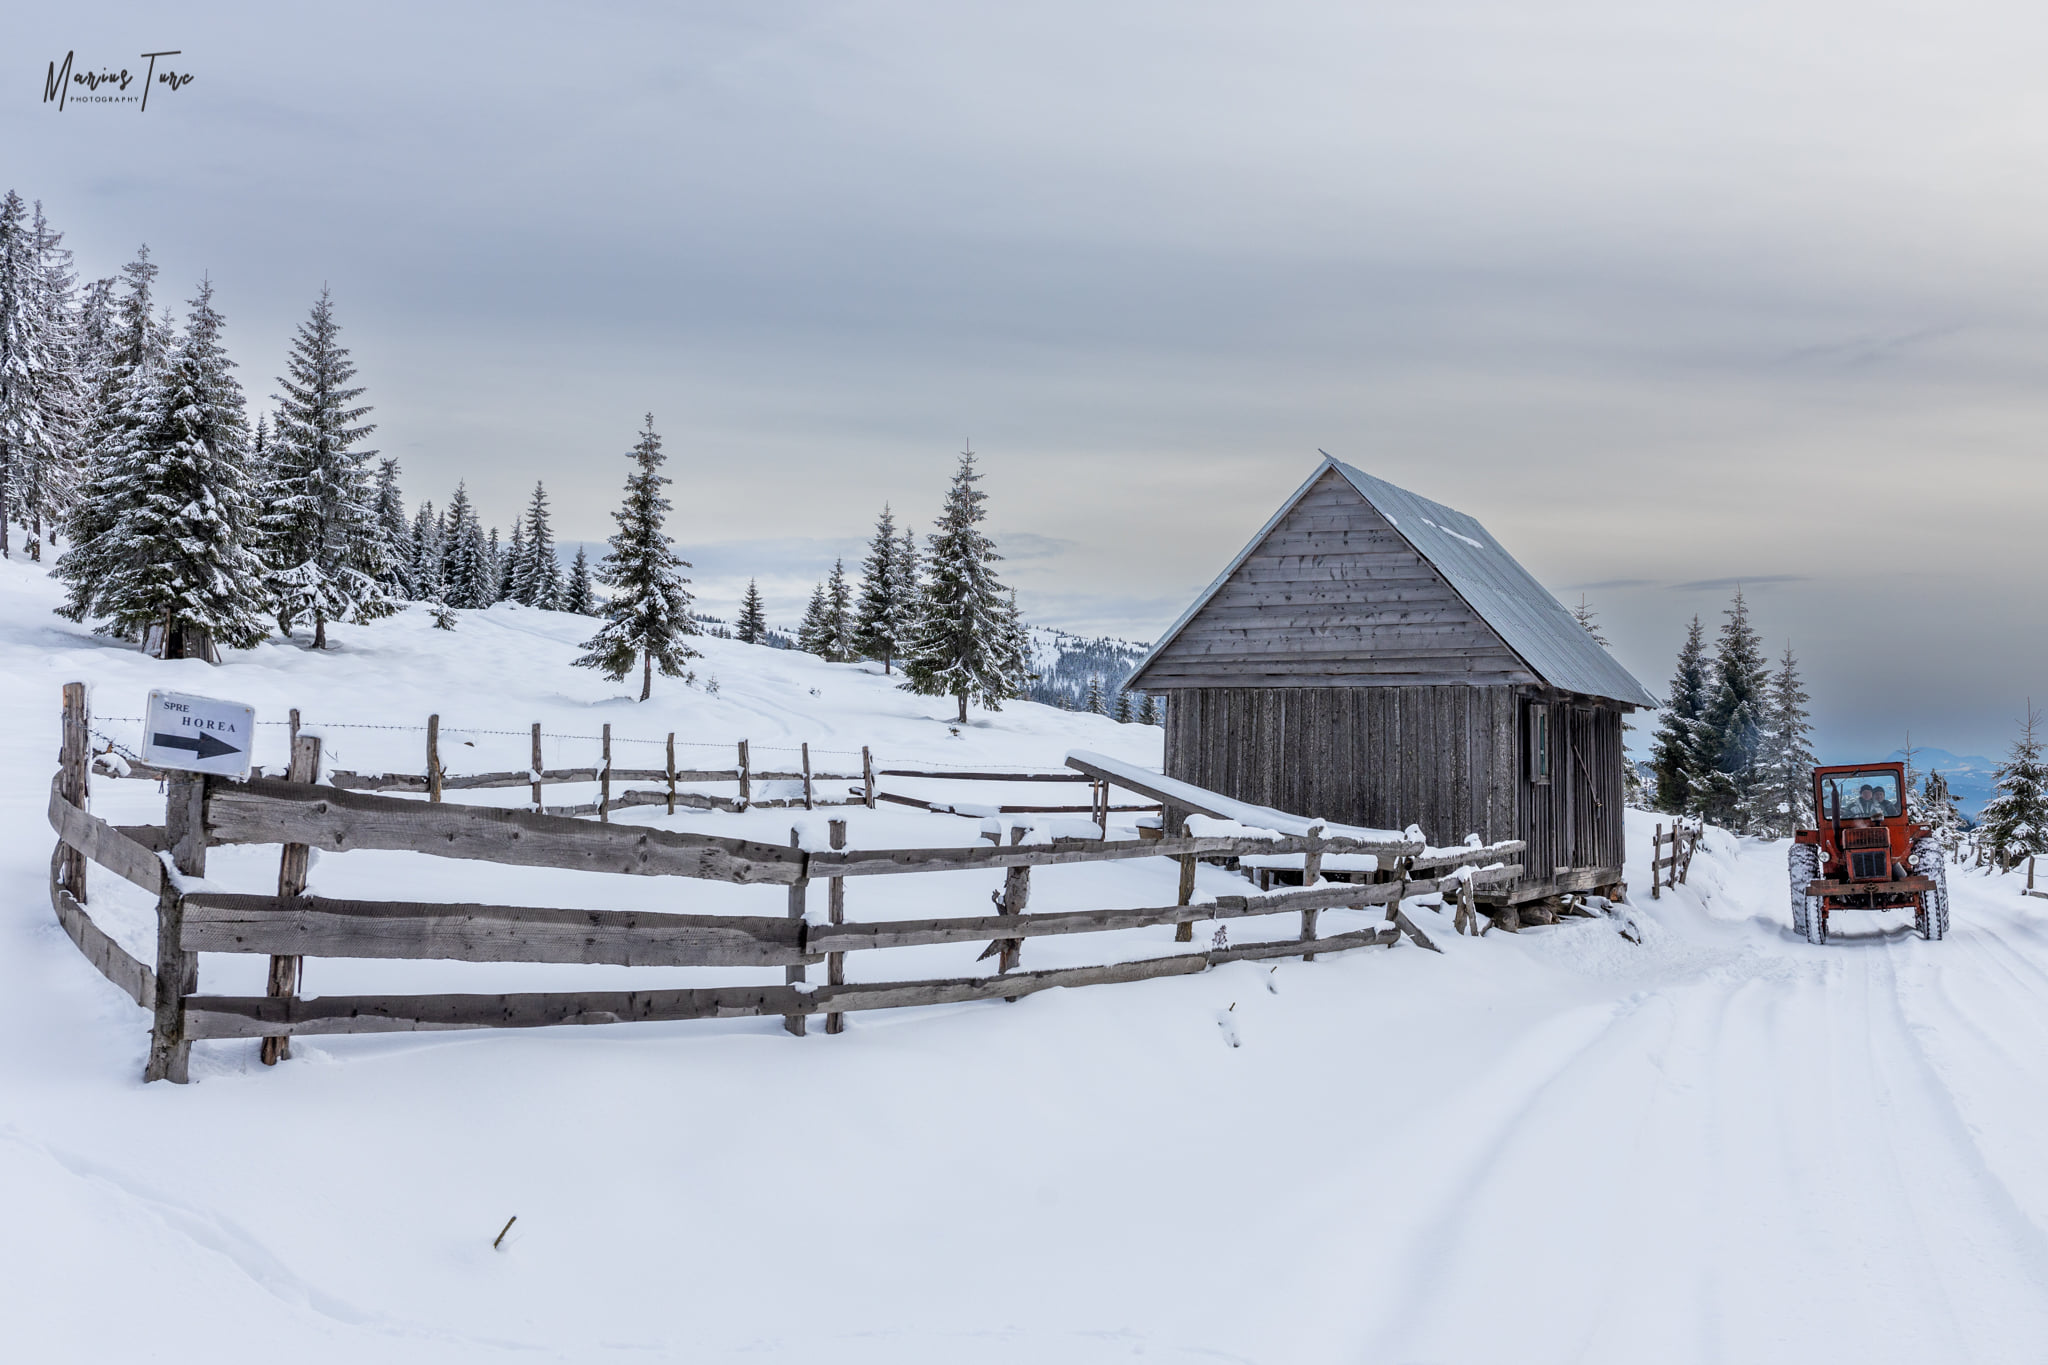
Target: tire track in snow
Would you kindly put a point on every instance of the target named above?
(1472, 1146)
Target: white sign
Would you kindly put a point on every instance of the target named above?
(198, 734)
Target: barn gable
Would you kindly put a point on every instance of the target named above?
(1357, 582)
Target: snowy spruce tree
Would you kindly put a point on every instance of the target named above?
(122, 383)
(181, 571)
(840, 618)
(423, 552)
(494, 556)
(1780, 799)
(888, 596)
(753, 623)
(47, 484)
(1121, 712)
(814, 632)
(1674, 753)
(466, 568)
(1148, 711)
(578, 597)
(395, 531)
(969, 641)
(648, 616)
(1732, 725)
(1935, 807)
(1093, 704)
(321, 537)
(512, 568)
(538, 582)
(2014, 823)
(33, 412)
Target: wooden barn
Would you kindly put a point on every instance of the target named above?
(1375, 658)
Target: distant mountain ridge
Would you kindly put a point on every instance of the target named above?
(1969, 777)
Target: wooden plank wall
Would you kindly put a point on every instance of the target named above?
(1574, 821)
(1451, 759)
(1333, 594)
(1442, 757)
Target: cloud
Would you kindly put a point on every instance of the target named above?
(1740, 581)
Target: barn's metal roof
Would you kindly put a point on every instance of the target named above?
(1507, 597)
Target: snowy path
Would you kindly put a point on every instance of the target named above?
(1720, 1145)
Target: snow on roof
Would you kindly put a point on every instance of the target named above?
(1531, 622)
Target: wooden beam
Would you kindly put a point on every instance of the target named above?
(314, 926)
(266, 811)
(246, 1017)
(114, 962)
(102, 843)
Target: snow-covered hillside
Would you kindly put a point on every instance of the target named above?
(1719, 1144)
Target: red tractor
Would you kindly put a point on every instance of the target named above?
(1867, 853)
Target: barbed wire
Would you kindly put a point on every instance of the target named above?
(459, 731)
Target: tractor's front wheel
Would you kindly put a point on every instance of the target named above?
(1803, 867)
(1931, 919)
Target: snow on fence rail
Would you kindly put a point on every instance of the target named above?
(300, 814)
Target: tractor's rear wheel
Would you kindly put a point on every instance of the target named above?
(1803, 867)
(1932, 917)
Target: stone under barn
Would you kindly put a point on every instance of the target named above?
(1375, 658)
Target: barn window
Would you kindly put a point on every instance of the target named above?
(1539, 742)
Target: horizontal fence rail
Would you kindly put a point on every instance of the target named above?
(300, 814)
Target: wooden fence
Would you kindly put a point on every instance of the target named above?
(299, 814)
(1670, 869)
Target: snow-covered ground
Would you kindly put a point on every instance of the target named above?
(1722, 1144)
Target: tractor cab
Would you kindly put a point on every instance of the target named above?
(1867, 854)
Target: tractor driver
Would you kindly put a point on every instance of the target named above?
(1869, 804)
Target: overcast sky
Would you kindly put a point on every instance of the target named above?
(1670, 296)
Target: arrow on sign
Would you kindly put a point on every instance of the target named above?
(202, 744)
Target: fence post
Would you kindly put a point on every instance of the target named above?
(538, 808)
(177, 971)
(604, 781)
(292, 866)
(867, 773)
(835, 900)
(798, 893)
(434, 758)
(74, 759)
(671, 772)
(807, 776)
(1016, 895)
(746, 786)
(1656, 852)
(295, 732)
(1184, 932)
(1311, 873)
